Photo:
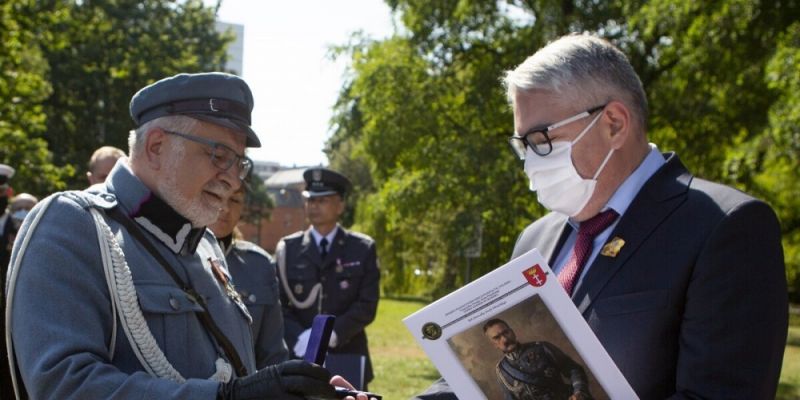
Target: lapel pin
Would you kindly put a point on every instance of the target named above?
(612, 248)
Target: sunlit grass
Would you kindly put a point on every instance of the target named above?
(789, 387)
(401, 367)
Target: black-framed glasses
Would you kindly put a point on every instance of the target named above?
(222, 156)
(538, 139)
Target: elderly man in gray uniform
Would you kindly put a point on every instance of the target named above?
(121, 291)
(254, 277)
(328, 270)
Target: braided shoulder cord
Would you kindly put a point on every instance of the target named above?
(280, 256)
(124, 296)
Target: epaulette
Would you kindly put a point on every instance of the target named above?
(295, 235)
(362, 236)
(244, 245)
(87, 198)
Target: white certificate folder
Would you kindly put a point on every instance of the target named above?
(526, 296)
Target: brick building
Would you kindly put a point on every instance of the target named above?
(285, 188)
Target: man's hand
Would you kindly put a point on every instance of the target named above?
(341, 382)
(293, 379)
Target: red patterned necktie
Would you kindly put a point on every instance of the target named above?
(587, 231)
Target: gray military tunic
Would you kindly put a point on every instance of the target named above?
(256, 281)
(61, 316)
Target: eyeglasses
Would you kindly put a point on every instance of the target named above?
(222, 156)
(538, 139)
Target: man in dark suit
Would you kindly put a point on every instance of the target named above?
(328, 270)
(681, 279)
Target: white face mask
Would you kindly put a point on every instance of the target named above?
(555, 180)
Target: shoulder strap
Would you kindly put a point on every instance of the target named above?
(13, 271)
(204, 316)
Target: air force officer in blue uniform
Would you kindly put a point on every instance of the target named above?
(328, 270)
(255, 278)
(121, 292)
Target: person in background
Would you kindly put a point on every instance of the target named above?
(681, 279)
(121, 291)
(254, 277)
(21, 205)
(6, 192)
(327, 269)
(101, 163)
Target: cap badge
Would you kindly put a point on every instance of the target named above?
(316, 174)
(211, 105)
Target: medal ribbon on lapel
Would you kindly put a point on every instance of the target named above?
(230, 291)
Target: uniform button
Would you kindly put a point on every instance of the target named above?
(252, 298)
(174, 303)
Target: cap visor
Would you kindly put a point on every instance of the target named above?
(309, 195)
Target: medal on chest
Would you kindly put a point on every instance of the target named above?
(227, 285)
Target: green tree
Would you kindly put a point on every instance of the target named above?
(100, 52)
(23, 88)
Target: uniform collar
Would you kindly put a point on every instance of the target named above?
(330, 236)
(152, 213)
(226, 243)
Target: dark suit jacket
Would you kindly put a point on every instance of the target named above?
(350, 288)
(695, 303)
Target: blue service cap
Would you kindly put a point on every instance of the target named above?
(324, 182)
(216, 97)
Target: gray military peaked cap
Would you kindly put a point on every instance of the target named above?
(216, 97)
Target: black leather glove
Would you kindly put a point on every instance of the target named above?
(293, 379)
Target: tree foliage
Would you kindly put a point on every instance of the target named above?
(24, 88)
(102, 51)
(70, 67)
(422, 121)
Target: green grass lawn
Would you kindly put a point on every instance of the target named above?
(789, 387)
(402, 369)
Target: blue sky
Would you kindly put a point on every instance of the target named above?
(285, 63)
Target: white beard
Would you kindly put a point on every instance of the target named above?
(194, 209)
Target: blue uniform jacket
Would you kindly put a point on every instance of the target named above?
(350, 288)
(61, 323)
(256, 281)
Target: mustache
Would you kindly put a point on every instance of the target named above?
(220, 188)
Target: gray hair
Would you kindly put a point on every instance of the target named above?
(583, 69)
(178, 123)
